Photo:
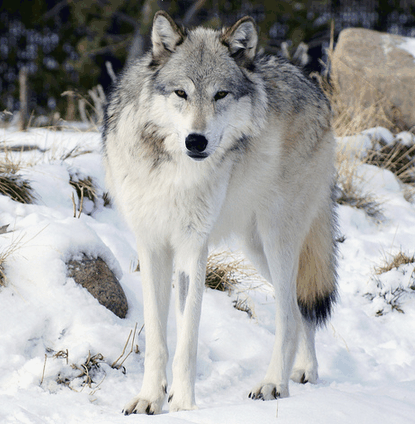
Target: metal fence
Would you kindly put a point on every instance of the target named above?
(22, 46)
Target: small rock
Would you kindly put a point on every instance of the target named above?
(94, 275)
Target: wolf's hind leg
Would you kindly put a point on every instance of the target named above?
(305, 365)
(281, 255)
(156, 270)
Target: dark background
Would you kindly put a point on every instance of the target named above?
(64, 44)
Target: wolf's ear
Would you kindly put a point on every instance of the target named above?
(165, 35)
(242, 40)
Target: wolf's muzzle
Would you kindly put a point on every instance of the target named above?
(195, 145)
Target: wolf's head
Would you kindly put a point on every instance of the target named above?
(203, 85)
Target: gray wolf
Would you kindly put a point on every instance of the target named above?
(206, 138)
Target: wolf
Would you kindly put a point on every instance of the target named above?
(206, 138)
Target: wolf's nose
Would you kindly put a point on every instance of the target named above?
(196, 143)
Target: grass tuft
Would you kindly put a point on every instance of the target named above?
(84, 187)
(227, 273)
(220, 274)
(348, 184)
(388, 292)
(395, 261)
(397, 158)
(12, 184)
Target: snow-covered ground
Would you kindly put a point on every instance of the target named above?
(367, 358)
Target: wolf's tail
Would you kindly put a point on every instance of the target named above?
(317, 277)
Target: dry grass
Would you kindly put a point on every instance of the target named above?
(395, 261)
(221, 273)
(2, 273)
(397, 158)
(85, 189)
(118, 363)
(11, 183)
(393, 294)
(8, 251)
(89, 368)
(75, 152)
(348, 183)
(225, 272)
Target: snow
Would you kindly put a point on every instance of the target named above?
(367, 360)
(408, 45)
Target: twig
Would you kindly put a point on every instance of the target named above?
(74, 205)
(97, 386)
(118, 366)
(110, 71)
(82, 111)
(81, 202)
(44, 368)
(132, 344)
(123, 351)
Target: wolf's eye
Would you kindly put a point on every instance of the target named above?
(220, 95)
(181, 93)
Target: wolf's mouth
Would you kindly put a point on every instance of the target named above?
(197, 156)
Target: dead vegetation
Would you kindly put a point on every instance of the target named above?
(118, 363)
(88, 372)
(395, 261)
(228, 273)
(12, 184)
(387, 291)
(91, 110)
(85, 189)
(349, 190)
(2, 274)
(396, 157)
(221, 273)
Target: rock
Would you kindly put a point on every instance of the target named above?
(371, 66)
(95, 275)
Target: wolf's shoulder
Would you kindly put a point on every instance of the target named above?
(284, 79)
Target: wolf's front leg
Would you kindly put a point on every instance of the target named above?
(190, 268)
(156, 270)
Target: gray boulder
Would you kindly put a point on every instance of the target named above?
(371, 66)
(95, 275)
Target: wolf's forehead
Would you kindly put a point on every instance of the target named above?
(201, 58)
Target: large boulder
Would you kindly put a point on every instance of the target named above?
(95, 275)
(371, 66)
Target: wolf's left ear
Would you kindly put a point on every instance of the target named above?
(242, 40)
(165, 35)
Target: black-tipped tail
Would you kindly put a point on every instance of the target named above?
(320, 311)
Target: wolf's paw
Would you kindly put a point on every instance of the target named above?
(301, 375)
(142, 406)
(177, 404)
(269, 391)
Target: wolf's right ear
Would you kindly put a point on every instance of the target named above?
(165, 35)
(242, 40)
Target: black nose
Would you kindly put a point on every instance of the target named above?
(196, 143)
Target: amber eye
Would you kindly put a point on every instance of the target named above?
(181, 93)
(220, 95)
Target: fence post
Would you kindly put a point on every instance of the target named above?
(23, 87)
